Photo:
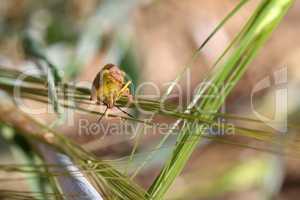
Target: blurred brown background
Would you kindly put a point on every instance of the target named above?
(153, 41)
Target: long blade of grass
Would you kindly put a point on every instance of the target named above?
(119, 187)
(251, 41)
(179, 77)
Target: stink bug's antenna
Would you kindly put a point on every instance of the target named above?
(103, 114)
(123, 111)
(124, 88)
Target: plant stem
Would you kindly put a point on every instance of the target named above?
(267, 17)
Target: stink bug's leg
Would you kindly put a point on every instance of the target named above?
(123, 111)
(104, 114)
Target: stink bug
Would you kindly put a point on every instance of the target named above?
(108, 86)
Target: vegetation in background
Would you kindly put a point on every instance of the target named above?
(31, 137)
